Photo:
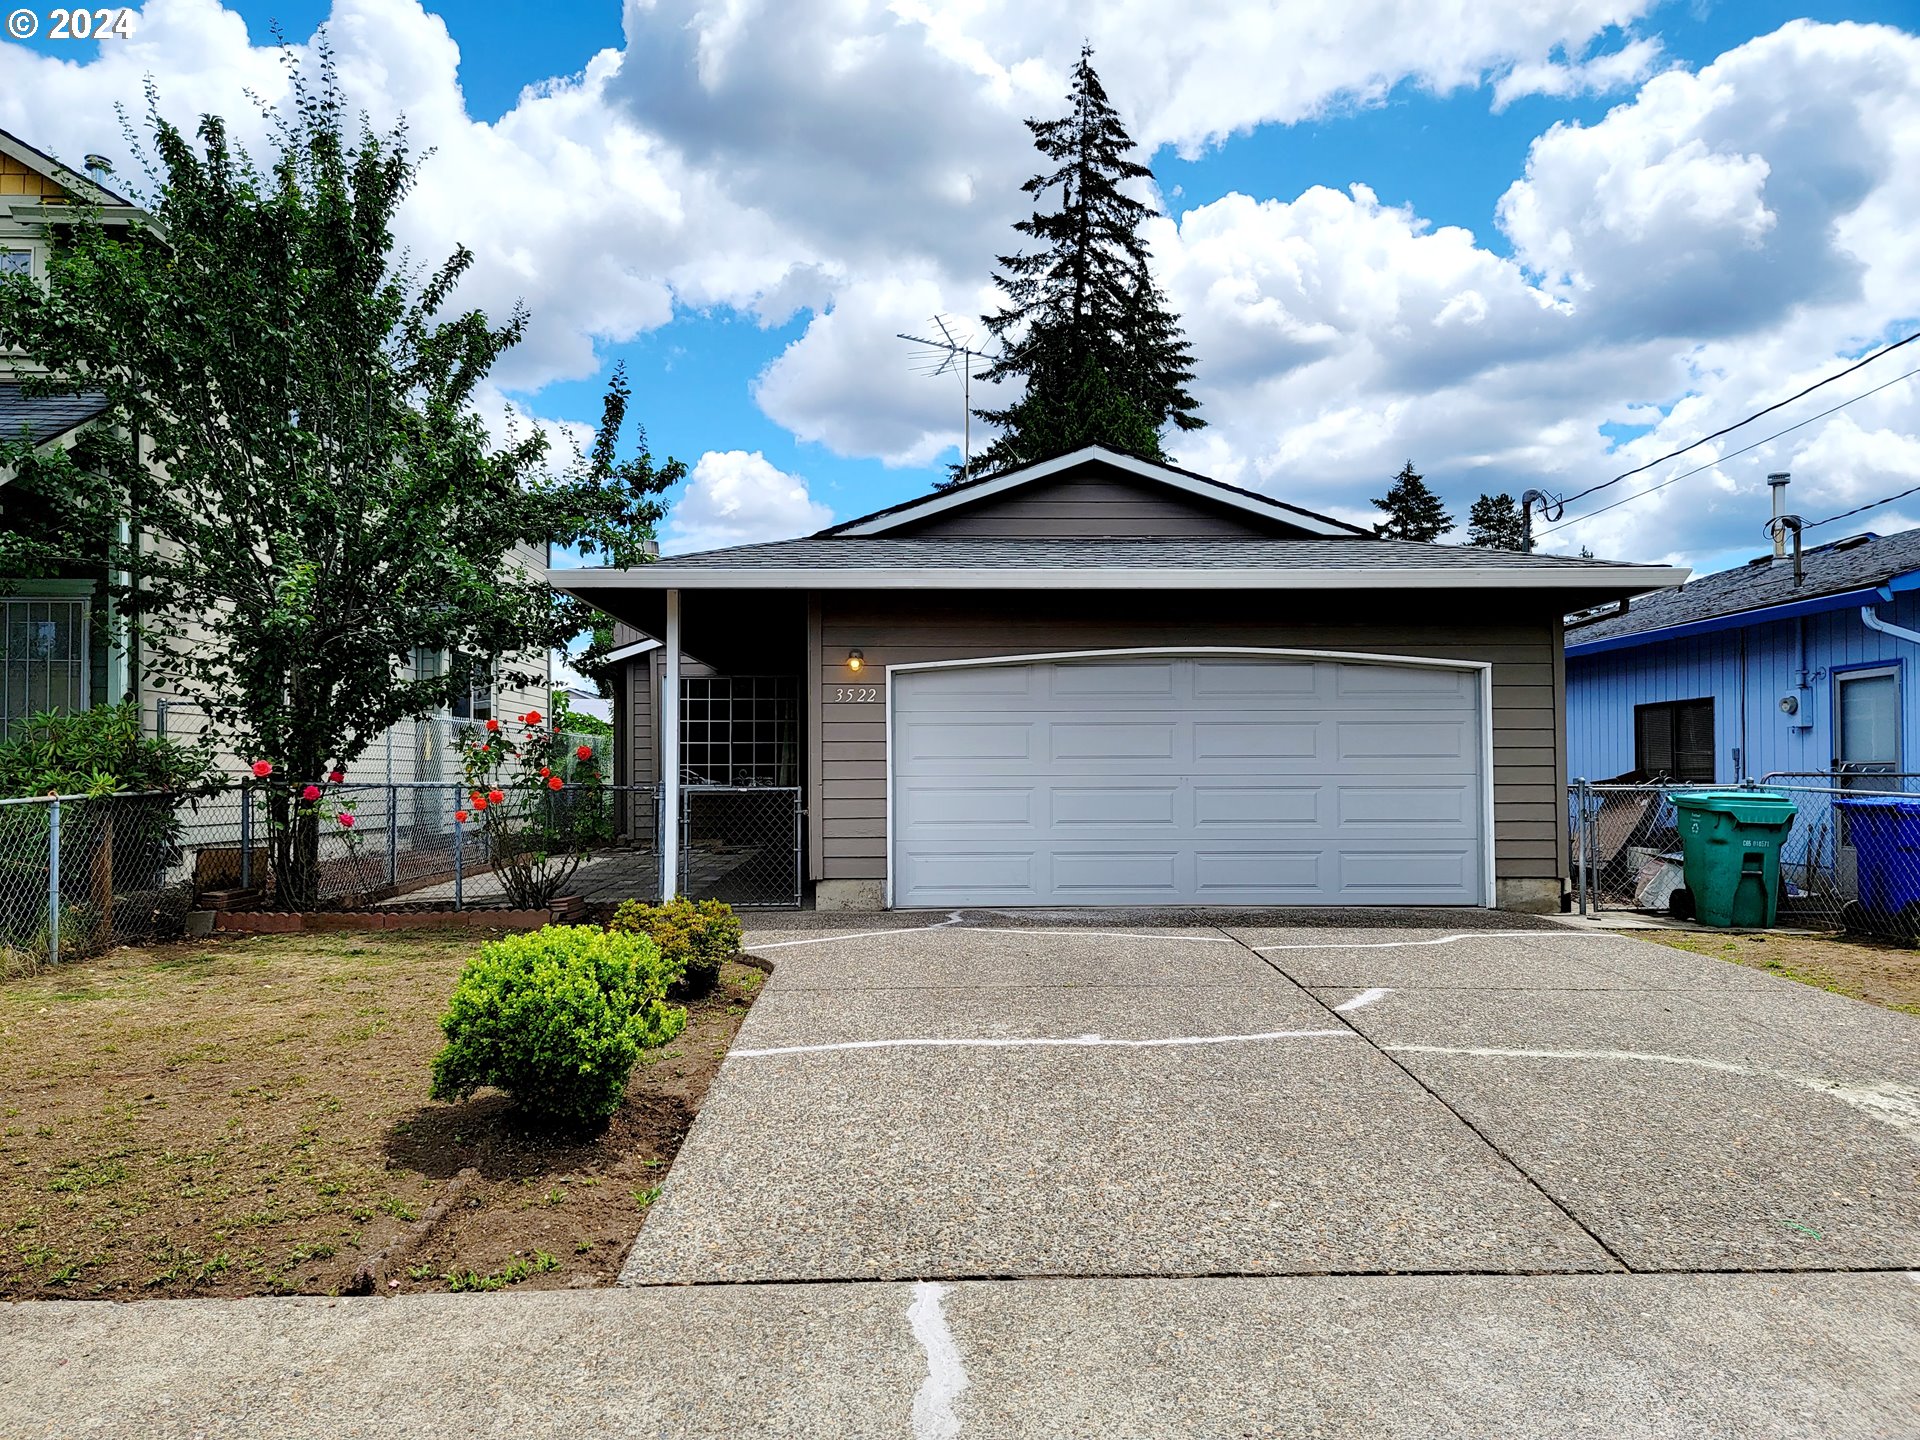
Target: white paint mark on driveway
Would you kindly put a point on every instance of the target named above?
(1443, 940)
(1363, 999)
(1885, 1100)
(934, 1417)
(955, 920)
(997, 1042)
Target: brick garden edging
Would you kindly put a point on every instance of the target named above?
(281, 922)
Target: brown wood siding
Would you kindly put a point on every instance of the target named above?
(1092, 504)
(1517, 634)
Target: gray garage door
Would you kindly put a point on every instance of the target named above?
(1188, 780)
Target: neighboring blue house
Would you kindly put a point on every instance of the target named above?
(1754, 671)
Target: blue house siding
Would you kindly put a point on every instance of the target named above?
(1603, 689)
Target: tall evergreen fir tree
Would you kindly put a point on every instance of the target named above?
(1413, 511)
(1494, 523)
(1100, 350)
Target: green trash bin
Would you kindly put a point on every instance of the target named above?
(1731, 842)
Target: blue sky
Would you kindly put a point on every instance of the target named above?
(808, 215)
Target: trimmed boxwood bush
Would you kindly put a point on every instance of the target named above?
(556, 1018)
(693, 938)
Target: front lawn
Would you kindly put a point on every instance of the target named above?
(1874, 970)
(248, 1115)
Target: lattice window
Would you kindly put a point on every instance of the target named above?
(740, 730)
(43, 657)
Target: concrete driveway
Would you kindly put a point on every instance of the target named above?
(1102, 1175)
(977, 1100)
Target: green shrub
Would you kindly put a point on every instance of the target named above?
(556, 1018)
(94, 752)
(693, 938)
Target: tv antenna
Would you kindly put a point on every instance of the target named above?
(952, 353)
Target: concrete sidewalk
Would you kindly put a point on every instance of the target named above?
(1625, 1357)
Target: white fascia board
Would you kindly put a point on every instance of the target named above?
(629, 652)
(1013, 479)
(1632, 580)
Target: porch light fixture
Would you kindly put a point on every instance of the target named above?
(856, 662)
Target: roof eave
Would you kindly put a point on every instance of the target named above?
(1734, 620)
(1613, 580)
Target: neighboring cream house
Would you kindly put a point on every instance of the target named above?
(61, 645)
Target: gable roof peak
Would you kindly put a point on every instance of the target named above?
(1157, 472)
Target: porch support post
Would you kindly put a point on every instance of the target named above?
(670, 756)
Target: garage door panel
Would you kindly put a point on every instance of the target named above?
(1150, 874)
(1256, 741)
(1115, 806)
(1131, 682)
(1402, 740)
(1229, 876)
(1217, 806)
(960, 807)
(1226, 780)
(1111, 740)
(1401, 806)
(937, 740)
(1245, 679)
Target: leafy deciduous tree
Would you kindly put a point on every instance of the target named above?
(312, 495)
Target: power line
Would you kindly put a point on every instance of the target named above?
(1884, 500)
(1721, 460)
(1675, 454)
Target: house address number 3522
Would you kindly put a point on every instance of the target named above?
(855, 694)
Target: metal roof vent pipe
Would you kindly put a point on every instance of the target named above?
(1777, 483)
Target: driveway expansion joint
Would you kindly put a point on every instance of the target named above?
(1485, 1139)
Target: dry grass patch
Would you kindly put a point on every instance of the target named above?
(1878, 971)
(248, 1115)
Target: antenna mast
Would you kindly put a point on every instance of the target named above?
(952, 352)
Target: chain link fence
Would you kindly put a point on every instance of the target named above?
(80, 874)
(1850, 860)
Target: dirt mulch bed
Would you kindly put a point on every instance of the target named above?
(1878, 971)
(247, 1115)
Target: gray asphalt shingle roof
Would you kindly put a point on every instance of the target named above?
(884, 553)
(46, 417)
(1854, 563)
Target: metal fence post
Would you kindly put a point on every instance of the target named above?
(459, 833)
(246, 835)
(53, 883)
(393, 836)
(1580, 839)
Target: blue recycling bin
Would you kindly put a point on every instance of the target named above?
(1884, 831)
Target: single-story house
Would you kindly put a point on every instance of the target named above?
(1099, 680)
(1767, 668)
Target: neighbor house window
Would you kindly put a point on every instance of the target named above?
(43, 657)
(15, 262)
(477, 703)
(1674, 740)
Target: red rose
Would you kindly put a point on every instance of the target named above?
(337, 776)
(583, 752)
(485, 748)
(310, 794)
(554, 782)
(493, 724)
(481, 803)
(347, 821)
(533, 717)
(262, 769)
(545, 770)
(475, 796)
(459, 817)
(494, 797)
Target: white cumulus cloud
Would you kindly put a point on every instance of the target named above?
(735, 497)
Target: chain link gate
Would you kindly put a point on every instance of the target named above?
(741, 844)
